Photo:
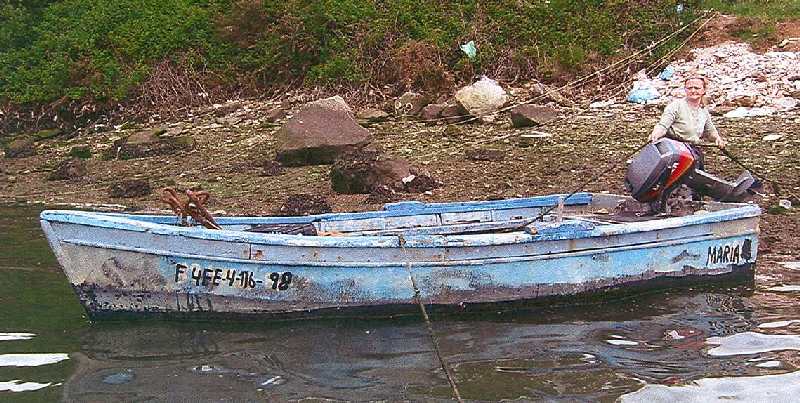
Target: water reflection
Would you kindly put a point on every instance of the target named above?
(540, 354)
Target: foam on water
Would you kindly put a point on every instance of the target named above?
(774, 325)
(31, 360)
(770, 364)
(19, 386)
(752, 343)
(16, 336)
(618, 342)
(768, 388)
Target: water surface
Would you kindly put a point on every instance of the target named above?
(738, 341)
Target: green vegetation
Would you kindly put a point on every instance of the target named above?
(110, 50)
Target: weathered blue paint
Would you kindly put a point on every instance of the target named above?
(120, 262)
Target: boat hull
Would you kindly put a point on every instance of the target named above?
(117, 269)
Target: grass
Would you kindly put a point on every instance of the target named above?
(114, 50)
(105, 51)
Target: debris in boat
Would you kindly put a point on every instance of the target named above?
(130, 188)
(194, 207)
(304, 204)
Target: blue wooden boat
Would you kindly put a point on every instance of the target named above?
(458, 254)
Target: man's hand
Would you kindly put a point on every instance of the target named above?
(658, 132)
(720, 142)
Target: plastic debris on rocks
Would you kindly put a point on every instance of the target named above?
(644, 89)
(758, 84)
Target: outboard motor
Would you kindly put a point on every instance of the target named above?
(662, 166)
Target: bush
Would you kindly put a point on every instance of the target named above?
(103, 49)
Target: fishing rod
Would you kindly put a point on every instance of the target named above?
(775, 184)
(578, 188)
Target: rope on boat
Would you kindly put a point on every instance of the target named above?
(434, 340)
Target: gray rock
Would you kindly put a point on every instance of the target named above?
(147, 144)
(372, 115)
(432, 112)
(454, 113)
(131, 188)
(532, 115)
(71, 169)
(410, 104)
(20, 148)
(360, 172)
(320, 132)
(367, 171)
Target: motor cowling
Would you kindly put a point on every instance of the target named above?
(658, 169)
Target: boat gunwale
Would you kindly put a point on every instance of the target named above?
(129, 222)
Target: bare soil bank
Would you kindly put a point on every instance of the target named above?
(473, 161)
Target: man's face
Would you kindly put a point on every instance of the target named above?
(695, 88)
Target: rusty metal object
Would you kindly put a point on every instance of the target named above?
(192, 207)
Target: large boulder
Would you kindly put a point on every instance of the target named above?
(367, 170)
(532, 115)
(482, 99)
(320, 132)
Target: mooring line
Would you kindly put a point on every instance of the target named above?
(434, 340)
